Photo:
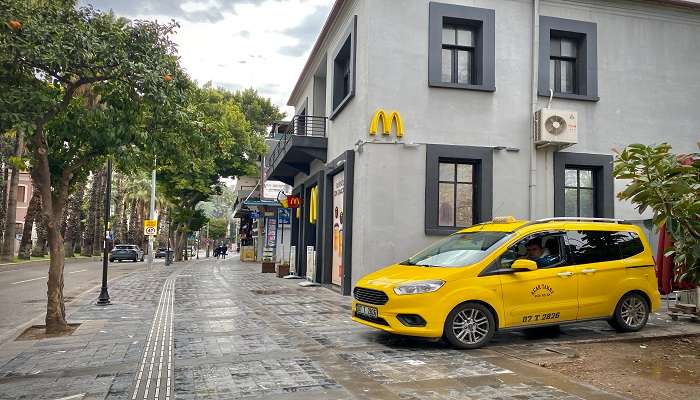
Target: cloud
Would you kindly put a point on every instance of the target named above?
(189, 10)
(305, 33)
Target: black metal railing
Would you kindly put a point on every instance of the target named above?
(301, 125)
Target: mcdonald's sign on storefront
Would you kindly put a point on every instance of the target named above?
(387, 122)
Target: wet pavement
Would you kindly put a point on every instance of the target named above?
(219, 329)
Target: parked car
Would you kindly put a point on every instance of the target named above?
(508, 274)
(123, 252)
(161, 252)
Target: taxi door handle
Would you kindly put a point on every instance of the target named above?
(565, 273)
(589, 270)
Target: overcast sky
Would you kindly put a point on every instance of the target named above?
(237, 43)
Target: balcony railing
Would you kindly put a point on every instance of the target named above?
(301, 125)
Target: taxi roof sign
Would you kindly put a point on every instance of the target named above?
(504, 219)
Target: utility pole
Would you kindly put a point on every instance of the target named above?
(104, 294)
(152, 214)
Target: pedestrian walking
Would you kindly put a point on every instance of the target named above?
(224, 249)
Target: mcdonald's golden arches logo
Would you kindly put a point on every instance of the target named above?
(387, 122)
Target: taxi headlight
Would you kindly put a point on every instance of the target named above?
(419, 287)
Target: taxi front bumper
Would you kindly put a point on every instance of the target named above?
(412, 315)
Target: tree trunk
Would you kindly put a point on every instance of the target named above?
(42, 235)
(180, 239)
(118, 225)
(140, 237)
(33, 212)
(98, 240)
(8, 246)
(75, 211)
(164, 225)
(4, 170)
(52, 211)
(89, 235)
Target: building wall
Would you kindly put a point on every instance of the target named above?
(648, 84)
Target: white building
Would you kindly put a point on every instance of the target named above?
(467, 79)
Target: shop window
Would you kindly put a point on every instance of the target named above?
(568, 59)
(458, 182)
(343, 80)
(461, 47)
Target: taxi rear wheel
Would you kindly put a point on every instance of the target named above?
(631, 313)
(469, 326)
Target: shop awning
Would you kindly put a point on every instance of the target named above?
(261, 203)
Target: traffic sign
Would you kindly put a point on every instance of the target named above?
(150, 227)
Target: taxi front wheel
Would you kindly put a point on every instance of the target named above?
(631, 313)
(469, 326)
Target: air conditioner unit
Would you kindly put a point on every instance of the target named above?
(555, 127)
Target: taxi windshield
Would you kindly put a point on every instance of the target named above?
(459, 250)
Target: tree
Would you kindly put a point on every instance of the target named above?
(73, 222)
(7, 252)
(33, 212)
(221, 145)
(46, 65)
(259, 111)
(668, 184)
(218, 228)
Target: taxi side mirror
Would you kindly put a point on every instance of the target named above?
(524, 265)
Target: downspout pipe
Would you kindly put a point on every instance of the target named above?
(532, 186)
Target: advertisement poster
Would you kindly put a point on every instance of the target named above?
(338, 191)
(271, 233)
(310, 263)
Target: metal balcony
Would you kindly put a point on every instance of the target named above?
(303, 141)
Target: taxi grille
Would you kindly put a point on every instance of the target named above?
(370, 296)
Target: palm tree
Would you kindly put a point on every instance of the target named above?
(97, 240)
(75, 214)
(42, 235)
(7, 252)
(94, 198)
(137, 196)
(33, 212)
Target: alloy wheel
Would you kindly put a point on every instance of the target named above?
(470, 326)
(633, 311)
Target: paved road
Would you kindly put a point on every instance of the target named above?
(23, 287)
(219, 329)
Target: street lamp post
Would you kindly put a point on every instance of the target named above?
(104, 294)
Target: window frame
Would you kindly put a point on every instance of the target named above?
(558, 58)
(454, 184)
(603, 181)
(349, 35)
(481, 22)
(481, 159)
(585, 34)
(456, 48)
(578, 188)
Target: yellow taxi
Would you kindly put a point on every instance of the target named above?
(510, 274)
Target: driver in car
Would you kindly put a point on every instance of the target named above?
(538, 254)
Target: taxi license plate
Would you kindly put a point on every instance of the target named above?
(365, 311)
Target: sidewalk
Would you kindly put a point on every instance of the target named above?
(219, 329)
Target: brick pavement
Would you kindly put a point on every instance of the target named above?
(237, 333)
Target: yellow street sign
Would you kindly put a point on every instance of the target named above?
(150, 227)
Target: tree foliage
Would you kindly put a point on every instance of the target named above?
(669, 185)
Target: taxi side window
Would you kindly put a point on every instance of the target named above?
(601, 246)
(547, 249)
